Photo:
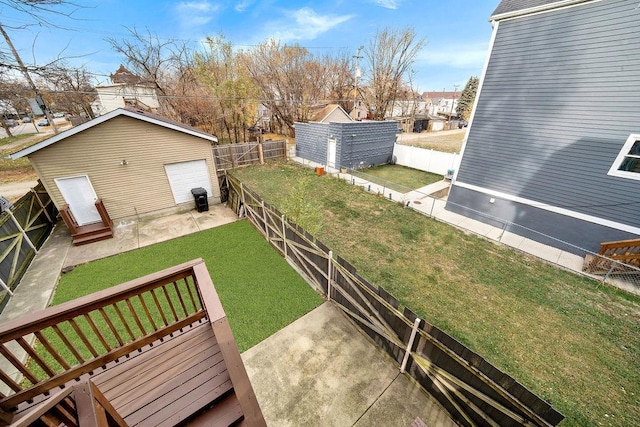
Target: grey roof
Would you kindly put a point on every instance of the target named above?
(509, 6)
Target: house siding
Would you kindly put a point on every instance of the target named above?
(142, 185)
(311, 141)
(559, 99)
(358, 144)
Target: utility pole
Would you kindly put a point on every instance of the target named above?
(25, 72)
(357, 76)
(453, 101)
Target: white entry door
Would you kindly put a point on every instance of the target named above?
(184, 176)
(331, 153)
(81, 198)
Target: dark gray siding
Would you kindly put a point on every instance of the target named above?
(534, 223)
(311, 141)
(560, 97)
(362, 144)
(358, 144)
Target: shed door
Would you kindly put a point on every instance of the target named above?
(184, 176)
(81, 198)
(331, 153)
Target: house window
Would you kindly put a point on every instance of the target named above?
(627, 164)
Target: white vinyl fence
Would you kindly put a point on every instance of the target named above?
(426, 160)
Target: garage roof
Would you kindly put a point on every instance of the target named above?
(136, 114)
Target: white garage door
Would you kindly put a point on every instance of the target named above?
(184, 176)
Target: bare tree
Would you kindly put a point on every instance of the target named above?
(71, 89)
(289, 78)
(156, 61)
(340, 79)
(390, 55)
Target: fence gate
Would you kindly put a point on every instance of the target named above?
(23, 230)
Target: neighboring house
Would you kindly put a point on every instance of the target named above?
(331, 113)
(441, 103)
(125, 90)
(335, 140)
(135, 162)
(554, 139)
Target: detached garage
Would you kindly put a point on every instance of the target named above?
(130, 161)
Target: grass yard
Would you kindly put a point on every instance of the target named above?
(260, 292)
(571, 340)
(15, 170)
(398, 178)
(447, 141)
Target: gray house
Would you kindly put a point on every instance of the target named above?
(333, 139)
(554, 138)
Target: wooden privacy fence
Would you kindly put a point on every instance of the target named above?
(470, 388)
(23, 230)
(233, 155)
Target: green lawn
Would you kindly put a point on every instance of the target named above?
(571, 340)
(398, 178)
(260, 292)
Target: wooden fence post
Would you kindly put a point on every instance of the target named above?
(284, 236)
(329, 275)
(264, 218)
(5, 287)
(407, 352)
(24, 233)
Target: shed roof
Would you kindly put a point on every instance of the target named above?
(510, 8)
(128, 112)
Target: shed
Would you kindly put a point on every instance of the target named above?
(350, 144)
(554, 138)
(132, 161)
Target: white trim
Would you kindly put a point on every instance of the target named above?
(539, 9)
(101, 119)
(550, 208)
(624, 152)
(492, 41)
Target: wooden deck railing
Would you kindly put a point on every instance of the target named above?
(615, 256)
(76, 338)
(626, 251)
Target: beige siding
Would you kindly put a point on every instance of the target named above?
(138, 187)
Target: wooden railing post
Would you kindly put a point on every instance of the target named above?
(284, 236)
(407, 352)
(68, 219)
(264, 219)
(329, 275)
(104, 215)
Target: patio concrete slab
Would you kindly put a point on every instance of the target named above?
(401, 403)
(133, 233)
(322, 371)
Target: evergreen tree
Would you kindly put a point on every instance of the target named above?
(467, 98)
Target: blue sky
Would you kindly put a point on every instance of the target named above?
(457, 32)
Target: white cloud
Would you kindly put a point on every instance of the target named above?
(388, 4)
(305, 24)
(242, 5)
(196, 13)
(454, 55)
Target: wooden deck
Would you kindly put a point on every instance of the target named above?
(186, 371)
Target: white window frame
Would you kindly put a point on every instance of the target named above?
(624, 152)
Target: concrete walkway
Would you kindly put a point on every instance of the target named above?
(322, 371)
